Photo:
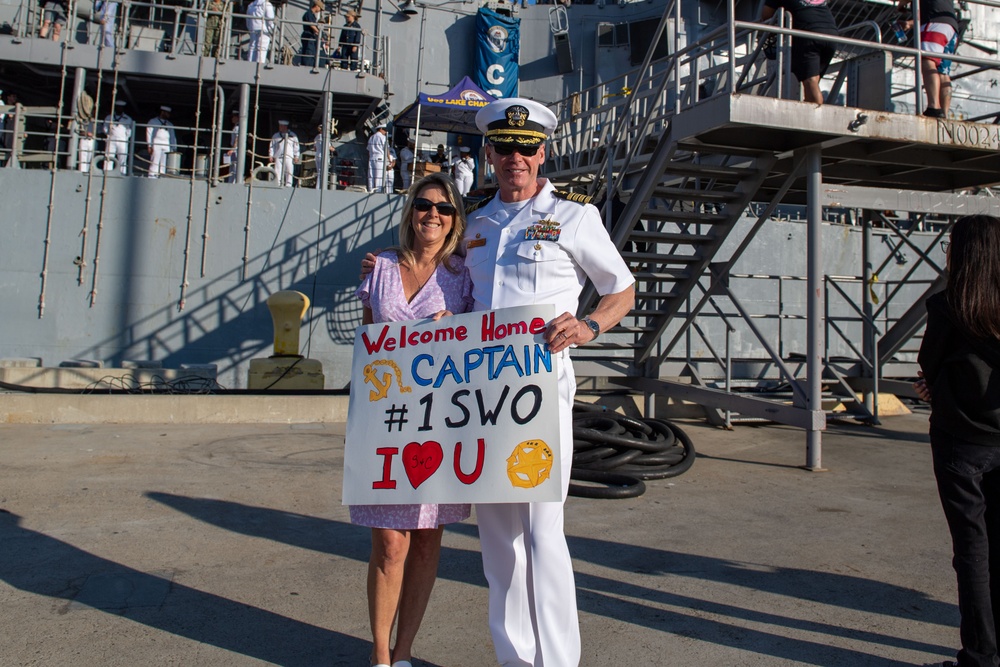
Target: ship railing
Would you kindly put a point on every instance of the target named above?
(43, 138)
(32, 137)
(603, 128)
(180, 30)
(722, 340)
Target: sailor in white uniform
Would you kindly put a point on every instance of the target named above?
(117, 130)
(322, 152)
(464, 171)
(85, 128)
(85, 146)
(390, 170)
(531, 245)
(229, 157)
(260, 21)
(284, 154)
(406, 158)
(160, 140)
(105, 12)
(378, 156)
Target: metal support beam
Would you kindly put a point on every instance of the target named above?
(868, 344)
(801, 397)
(907, 326)
(890, 199)
(814, 304)
(241, 150)
(749, 406)
(217, 149)
(323, 161)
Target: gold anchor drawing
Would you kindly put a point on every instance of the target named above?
(382, 384)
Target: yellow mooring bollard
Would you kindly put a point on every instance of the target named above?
(286, 368)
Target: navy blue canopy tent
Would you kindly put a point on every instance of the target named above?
(453, 111)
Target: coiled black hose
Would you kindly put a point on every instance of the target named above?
(614, 454)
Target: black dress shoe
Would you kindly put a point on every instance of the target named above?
(934, 113)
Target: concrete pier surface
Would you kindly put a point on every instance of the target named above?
(204, 545)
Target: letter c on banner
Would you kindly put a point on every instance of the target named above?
(494, 74)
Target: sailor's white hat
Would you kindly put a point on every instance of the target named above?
(515, 120)
(165, 108)
(282, 122)
(120, 103)
(464, 149)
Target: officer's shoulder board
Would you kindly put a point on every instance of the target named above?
(475, 206)
(572, 196)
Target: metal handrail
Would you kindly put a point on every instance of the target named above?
(186, 21)
(586, 114)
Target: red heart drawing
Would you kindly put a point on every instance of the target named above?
(420, 461)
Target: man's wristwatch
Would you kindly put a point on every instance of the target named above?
(595, 328)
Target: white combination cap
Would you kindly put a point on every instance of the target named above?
(282, 122)
(166, 108)
(516, 120)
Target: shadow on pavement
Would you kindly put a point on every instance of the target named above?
(39, 564)
(623, 600)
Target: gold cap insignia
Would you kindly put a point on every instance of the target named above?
(517, 115)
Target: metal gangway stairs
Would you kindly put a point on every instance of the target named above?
(681, 150)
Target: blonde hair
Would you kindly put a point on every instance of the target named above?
(452, 244)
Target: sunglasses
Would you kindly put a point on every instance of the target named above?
(510, 149)
(424, 205)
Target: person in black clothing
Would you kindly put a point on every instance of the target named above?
(939, 35)
(959, 354)
(441, 158)
(350, 41)
(810, 57)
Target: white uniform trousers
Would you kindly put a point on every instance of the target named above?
(117, 153)
(158, 161)
(260, 42)
(108, 34)
(464, 182)
(532, 598)
(376, 175)
(284, 170)
(84, 153)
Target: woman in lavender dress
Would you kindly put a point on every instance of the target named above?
(423, 277)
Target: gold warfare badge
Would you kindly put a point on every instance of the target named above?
(529, 464)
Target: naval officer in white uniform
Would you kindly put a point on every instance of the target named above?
(406, 159)
(160, 140)
(378, 159)
(465, 170)
(117, 129)
(284, 154)
(531, 245)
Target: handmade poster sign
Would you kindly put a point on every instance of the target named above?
(459, 410)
